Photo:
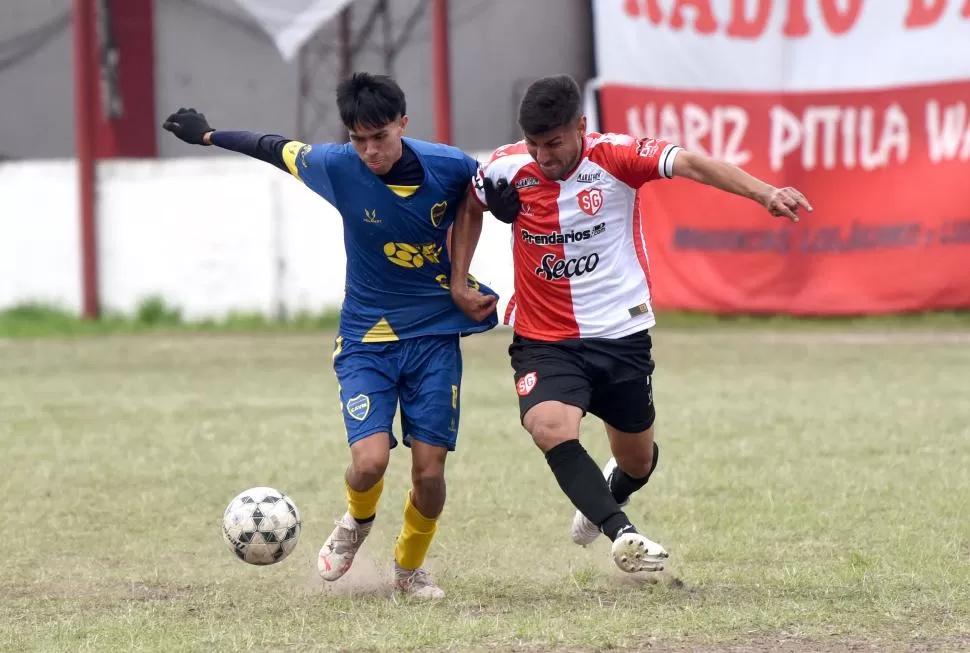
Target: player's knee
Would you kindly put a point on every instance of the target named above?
(428, 481)
(637, 466)
(638, 462)
(549, 431)
(370, 464)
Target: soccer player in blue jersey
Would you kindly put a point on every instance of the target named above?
(399, 330)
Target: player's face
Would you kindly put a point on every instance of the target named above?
(379, 147)
(557, 151)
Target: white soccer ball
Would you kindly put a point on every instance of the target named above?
(261, 526)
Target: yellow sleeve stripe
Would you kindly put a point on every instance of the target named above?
(290, 153)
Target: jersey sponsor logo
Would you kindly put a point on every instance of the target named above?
(438, 213)
(412, 256)
(370, 217)
(526, 182)
(557, 238)
(358, 407)
(552, 268)
(526, 384)
(590, 201)
(638, 310)
(589, 177)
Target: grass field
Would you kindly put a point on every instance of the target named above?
(812, 491)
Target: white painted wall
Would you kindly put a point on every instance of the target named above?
(209, 235)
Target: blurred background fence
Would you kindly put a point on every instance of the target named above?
(862, 104)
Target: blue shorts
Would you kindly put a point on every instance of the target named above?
(422, 373)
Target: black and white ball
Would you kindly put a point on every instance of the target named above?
(261, 526)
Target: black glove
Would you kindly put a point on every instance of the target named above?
(189, 125)
(502, 199)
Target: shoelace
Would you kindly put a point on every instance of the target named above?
(353, 535)
(418, 578)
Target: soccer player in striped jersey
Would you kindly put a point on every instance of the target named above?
(582, 310)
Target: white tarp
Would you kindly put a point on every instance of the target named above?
(291, 23)
(789, 45)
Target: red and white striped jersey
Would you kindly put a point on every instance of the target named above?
(581, 267)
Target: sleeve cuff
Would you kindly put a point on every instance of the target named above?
(666, 165)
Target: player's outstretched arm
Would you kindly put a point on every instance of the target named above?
(780, 202)
(465, 234)
(192, 127)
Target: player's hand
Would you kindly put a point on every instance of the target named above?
(502, 199)
(786, 202)
(188, 125)
(473, 303)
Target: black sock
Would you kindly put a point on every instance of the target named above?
(622, 485)
(583, 482)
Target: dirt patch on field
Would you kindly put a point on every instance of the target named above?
(365, 578)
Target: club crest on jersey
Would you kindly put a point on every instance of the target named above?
(358, 407)
(647, 147)
(438, 213)
(590, 201)
(526, 384)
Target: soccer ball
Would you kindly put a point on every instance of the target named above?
(261, 526)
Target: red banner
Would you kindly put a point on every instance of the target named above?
(888, 173)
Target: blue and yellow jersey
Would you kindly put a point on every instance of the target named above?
(395, 230)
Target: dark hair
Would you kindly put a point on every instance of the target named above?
(369, 101)
(550, 103)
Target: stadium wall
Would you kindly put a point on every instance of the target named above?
(211, 55)
(210, 236)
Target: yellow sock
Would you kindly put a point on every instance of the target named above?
(415, 538)
(363, 505)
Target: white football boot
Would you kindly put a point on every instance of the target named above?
(339, 550)
(584, 531)
(633, 552)
(417, 583)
